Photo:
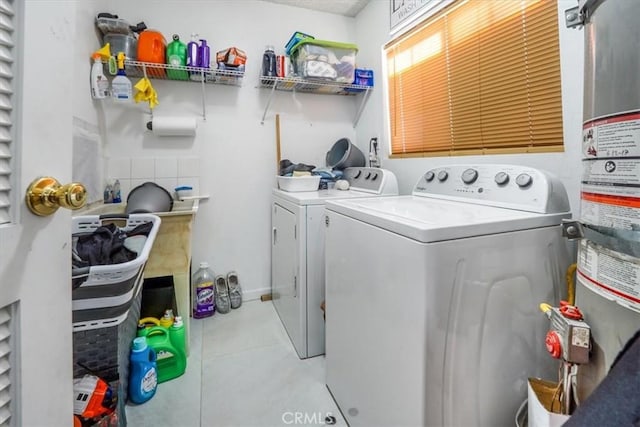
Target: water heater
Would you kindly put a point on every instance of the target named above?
(608, 273)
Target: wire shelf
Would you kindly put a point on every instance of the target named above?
(183, 73)
(297, 84)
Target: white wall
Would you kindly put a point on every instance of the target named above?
(234, 152)
(373, 32)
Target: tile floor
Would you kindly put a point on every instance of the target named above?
(242, 371)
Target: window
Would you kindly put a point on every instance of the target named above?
(6, 106)
(478, 77)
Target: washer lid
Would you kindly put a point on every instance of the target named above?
(431, 220)
(319, 197)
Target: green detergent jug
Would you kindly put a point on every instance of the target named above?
(177, 55)
(169, 345)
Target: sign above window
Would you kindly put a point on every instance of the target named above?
(404, 12)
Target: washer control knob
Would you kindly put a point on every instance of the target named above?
(524, 180)
(442, 176)
(469, 176)
(357, 175)
(501, 178)
(368, 175)
(429, 176)
(375, 176)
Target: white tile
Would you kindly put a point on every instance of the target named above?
(191, 182)
(166, 168)
(168, 184)
(143, 168)
(119, 167)
(274, 385)
(189, 167)
(255, 324)
(125, 188)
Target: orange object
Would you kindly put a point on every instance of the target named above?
(152, 47)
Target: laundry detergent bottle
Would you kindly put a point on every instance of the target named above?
(143, 374)
(177, 56)
(203, 296)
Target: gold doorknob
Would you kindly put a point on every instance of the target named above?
(45, 195)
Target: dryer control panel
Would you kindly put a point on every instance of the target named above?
(371, 180)
(507, 186)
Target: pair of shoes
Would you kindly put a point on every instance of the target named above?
(235, 292)
(223, 304)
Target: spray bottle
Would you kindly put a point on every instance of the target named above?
(121, 85)
(99, 82)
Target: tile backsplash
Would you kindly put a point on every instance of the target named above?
(168, 172)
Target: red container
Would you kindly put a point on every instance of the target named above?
(152, 47)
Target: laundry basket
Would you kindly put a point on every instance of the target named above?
(106, 306)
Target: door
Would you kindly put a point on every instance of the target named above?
(284, 280)
(35, 272)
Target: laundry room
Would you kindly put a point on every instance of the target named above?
(305, 212)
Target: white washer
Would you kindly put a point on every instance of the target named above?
(297, 253)
(432, 299)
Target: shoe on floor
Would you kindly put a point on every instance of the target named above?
(235, 292)
(223, 304)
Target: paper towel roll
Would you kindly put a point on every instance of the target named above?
(173, 126)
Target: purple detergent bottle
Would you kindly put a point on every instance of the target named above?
(192, 55)
(203, 296)
(203, 54)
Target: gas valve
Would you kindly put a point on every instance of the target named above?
(569, 335)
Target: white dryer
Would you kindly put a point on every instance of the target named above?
(297, 253)
(432, 299)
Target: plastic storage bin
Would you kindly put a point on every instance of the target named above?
(299, 183)
(324, 60)
(295, 38)
(102, 294)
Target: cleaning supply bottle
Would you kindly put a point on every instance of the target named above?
(192, 54)
(167, 318)
(99, 82)
(268, 63)
(117, 196)
(171, 360)
(177, 56)
(143, 374)
(178, 339)
(121, 85)
(203, 297)
(204, 54)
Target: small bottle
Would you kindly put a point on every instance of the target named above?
(99, 82)
(143, 374)
(268, 63)
(178, 340)
(117, 197)
(108, 194)
(167, 318)
(203, 295)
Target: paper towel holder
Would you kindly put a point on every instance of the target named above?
(184, 127)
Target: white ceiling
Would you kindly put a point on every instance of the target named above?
(339, 7)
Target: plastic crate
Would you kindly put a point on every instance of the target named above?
(324, 60)
(103, 294)
(295, 38)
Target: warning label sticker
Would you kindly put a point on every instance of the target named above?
(611, 274)
(617, 136)
(610, 210)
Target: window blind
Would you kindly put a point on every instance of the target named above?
(479, 77)
(6, 106)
